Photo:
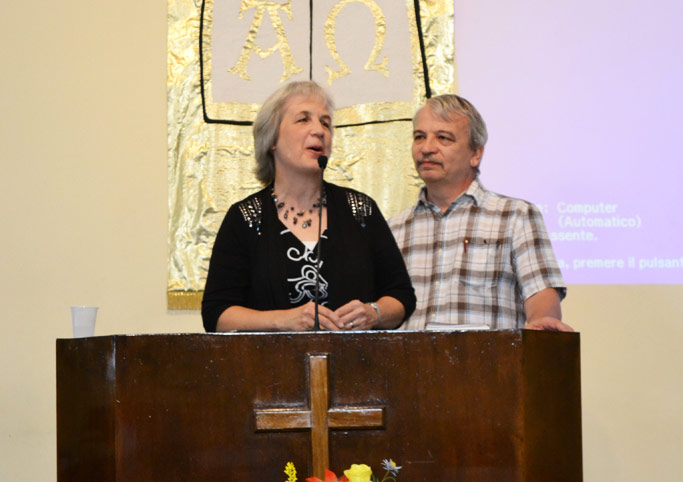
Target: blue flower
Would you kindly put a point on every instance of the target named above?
(390, 466)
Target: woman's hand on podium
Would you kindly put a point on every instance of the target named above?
(356, 315)
(302, 318)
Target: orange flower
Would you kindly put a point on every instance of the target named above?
(329, 477)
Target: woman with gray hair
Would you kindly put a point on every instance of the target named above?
(262, 274)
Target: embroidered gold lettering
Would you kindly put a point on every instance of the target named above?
(380, 32)
(281, 44)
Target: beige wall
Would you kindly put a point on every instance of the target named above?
(83, 182)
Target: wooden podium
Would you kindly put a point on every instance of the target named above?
(446, 406)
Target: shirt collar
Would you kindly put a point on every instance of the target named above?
(475, 192)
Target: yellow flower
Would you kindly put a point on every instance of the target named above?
(358, 473)
(290, 471)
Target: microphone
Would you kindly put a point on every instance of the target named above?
(322, 162)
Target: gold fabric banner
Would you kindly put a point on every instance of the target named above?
(379, 59)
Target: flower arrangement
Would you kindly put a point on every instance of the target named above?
(356, 473)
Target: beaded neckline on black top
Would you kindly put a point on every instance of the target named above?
(297, 213)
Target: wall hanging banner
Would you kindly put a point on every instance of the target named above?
(380, 59)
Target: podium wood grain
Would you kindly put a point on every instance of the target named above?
(472, 406)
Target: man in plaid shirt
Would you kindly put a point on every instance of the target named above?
(474, 256)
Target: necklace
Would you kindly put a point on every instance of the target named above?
(297, 213)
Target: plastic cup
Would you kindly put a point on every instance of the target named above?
(83, 320)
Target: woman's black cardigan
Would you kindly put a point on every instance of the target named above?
(248, 263)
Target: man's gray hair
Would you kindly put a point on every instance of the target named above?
(448, 105)
(269, 117)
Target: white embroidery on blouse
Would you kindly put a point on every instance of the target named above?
(304, 285)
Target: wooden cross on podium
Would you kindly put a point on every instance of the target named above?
(319, 418)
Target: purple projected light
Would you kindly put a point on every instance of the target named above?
(583, 108)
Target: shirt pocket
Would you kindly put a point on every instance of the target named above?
(481, 263)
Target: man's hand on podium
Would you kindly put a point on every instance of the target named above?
(547, 323)
(543, 312)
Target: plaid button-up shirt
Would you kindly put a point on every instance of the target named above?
(476, 263)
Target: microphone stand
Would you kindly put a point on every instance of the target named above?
(322, 162)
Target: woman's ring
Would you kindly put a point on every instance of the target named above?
(351, 325)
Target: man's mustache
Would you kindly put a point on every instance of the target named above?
(423, 160)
